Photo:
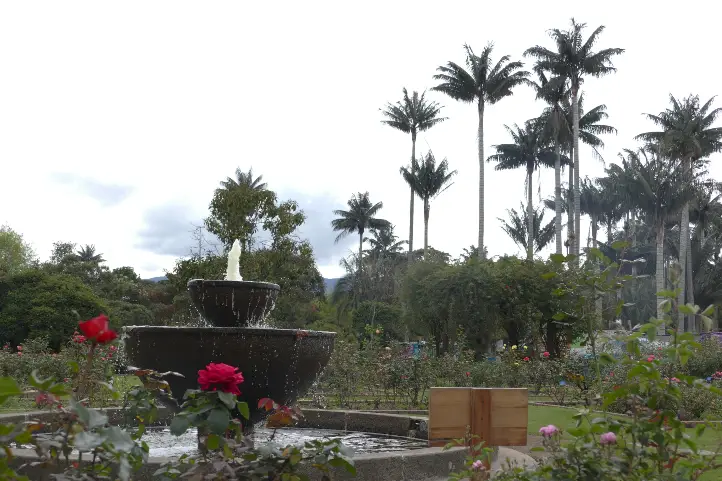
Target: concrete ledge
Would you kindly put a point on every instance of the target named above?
(366, 421)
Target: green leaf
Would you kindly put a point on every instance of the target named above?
(179, 425)
(688, 309)
(667, 294)
(228, 399)
(559, 316)
(606, 358)
(120, 439)
(8, 387)
(595, 253)
(340, 462)
(558, 258)
(295, 458)
(74, 366)
(709, 311)
(538, 449)
(218, 420)
(243, 409)
(549, 275)
(213, 442)
(619, 245)
(92, 418)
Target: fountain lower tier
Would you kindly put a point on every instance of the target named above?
(280, 364)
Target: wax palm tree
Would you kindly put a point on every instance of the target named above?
(87, 253)
(244, 179)
(428, 180)
(483, 83)
(687, 136)
(528, 150)
(360, 217)
(517, 227)
(574, 59)
(656, 186)
(385, 243)
(590, 129)
(553, 91)
(412, 115)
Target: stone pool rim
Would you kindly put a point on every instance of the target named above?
(421, 464)
(268, 332)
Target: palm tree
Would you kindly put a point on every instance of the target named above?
(553, 91)
(589, 130)
(687, 136)
(428, 180)
(385, 243)
(517, 227)
(359, 218)
(482, 84)
(87, 254)
(412, 115)
(244, 179)
(656, 187)
(574, 59)
(529, 151)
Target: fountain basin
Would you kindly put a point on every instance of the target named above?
(233, 303)
(279, 364)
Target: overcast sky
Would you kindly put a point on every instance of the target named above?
(119, 119)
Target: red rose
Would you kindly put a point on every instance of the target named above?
(526, 358)
(97, 330)
(545, 354)
(468, 374)
(220, 377)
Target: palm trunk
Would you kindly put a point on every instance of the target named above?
(411, 202)
(426, 228)
(659, 269)
(570, 206)
(597, 297)
(690, 288)
(683, 242)
(481, 178)
(577, 212)
(529, 214)
(360, 252)
(633, 233)
(558, 194)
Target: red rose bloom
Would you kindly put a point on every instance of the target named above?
(220, 377)
(526, 358)
(545, 354)
(97, 329)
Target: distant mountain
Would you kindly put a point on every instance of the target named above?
(330, 284)
(157, 279)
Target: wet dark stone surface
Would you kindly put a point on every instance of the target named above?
(233, 303)
(280, 364)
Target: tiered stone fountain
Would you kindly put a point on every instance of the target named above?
(280, 364)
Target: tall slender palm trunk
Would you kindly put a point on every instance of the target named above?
(427, 207)
(683, 245)
(529, 214)
(693, 327)
(659, 268)
(481, 179)
(570, 205)
(577, 213)
(558, 193)
(597, 296)
(411, 202)
(360, 251)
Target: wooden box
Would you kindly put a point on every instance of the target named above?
(498, 416)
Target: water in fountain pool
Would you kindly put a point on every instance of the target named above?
(162, 443)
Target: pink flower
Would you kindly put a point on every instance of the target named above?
(478, 465)
(548, 431)
(608, 438)
(20, 348)
(468, 374)
(545, 354)
(650, 358)
(674, 379)
(526, 359)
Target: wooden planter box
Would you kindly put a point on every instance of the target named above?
(498, 416)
